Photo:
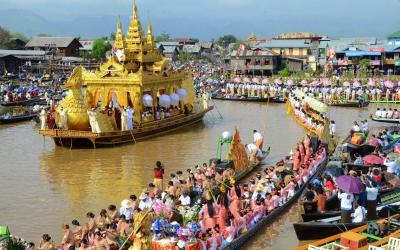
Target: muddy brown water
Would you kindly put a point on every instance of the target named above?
(43, 186)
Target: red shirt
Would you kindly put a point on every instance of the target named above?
(158, 173)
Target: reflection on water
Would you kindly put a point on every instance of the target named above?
(43, 186)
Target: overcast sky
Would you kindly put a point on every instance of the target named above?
(208, 18)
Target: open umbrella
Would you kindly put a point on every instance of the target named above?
(255, 80)
(346, 84)
(289, 82)
(303, 82)
(371, 82)
(236, 79)
(372, 159)
(265, 81)
(278, 81)
(389, 84)
(350, 184)
(356, 84)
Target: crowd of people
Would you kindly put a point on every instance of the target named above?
(360, 206)
(205, 207)
(387, 113)
(324, 89)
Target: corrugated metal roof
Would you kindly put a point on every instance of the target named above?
(22, 52)
(285, 44)
(169, 44)
(169, 49)
(253, 52)
(86, 45)
(191, 48)
(206, 45)
(60, 42)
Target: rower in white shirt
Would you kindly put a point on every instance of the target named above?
(258, 139)
(378, 113)
(389, 113)
(383, 113)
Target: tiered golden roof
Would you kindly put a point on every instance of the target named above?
(135, 67)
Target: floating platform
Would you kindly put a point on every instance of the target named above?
(75, 138)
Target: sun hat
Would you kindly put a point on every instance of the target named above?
(126, 203)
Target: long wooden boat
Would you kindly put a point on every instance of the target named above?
(362, 149)
(333, 204)
(251, 99)
(385, 120)
(18, 118)
(30, 102)
(373, 238)
(349, 104)
(242, 239)
(323, 228)
(70, 138)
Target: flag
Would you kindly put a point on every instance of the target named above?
(118, 53)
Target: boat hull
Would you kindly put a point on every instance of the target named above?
(350, 104)
(242, 239)
(69, 138)
(17, 119)
(269, 99)
(320, 230)
(30, 102)
(386, 120)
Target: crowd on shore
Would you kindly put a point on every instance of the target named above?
(323, 89)
(206, 208)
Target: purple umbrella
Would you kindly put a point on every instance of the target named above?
(350, 184)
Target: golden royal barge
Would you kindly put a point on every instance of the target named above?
(135, 76)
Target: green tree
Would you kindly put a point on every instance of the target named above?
(20, 36)
(5, 37)
(364, 66)
(225, 40)
(184, 57)
(100, 47)
(284, 72)
(163, 37)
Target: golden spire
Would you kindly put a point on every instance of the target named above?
(119, 37)
(150, 38)
(134, 11)
(135, 33)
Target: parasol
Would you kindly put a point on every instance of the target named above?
(236, 79)
(371, 82)
(246, 80)
(278, 81)
(289, 82)
(356, 84)
(255, 80)
(350, 184)
(265, 81)
(372, 159)
(346, 84)
(304, 83)
(389, 84)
